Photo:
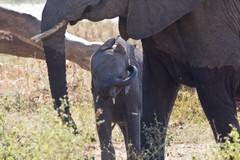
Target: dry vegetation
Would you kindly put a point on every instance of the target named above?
(23, 1)
(30, 128)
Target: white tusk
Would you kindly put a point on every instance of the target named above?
(134, 113)
(97, 98)
(49, 32)
(113, 100)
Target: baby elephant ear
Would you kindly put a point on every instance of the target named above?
(107, 45)
(121, 48)
(148, 17)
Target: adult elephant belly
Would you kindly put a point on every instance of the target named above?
(200, 46)
(195, 43)
(178, 70)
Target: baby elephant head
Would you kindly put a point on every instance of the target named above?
(112, 70)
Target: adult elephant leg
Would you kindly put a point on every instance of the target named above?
(217, 90)
(159, 94)
(104, 129)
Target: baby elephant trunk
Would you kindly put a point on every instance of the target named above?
(107, 86)
(118, 82)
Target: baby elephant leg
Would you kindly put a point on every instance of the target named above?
(133, 131)
(104, 129)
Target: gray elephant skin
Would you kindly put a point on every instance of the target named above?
(191, 42)
(116, 69)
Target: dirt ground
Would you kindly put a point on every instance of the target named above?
(188, 151)
(175, 152)
(187, 145)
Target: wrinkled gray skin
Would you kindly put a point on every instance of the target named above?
(117, 94)
(191, 42)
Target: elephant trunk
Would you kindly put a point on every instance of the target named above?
(127, 81)
(54, 48)
(118, 82)
(104, 91)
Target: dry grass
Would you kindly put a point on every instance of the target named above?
(91, 30)
(29, 127)
(97, 31)
(23, 1)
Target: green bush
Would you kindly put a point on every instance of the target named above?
(230, 149)
(187, 107)
(41, 136)
(154, 136)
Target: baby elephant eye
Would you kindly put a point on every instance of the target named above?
(122, 76)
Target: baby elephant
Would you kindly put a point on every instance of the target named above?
(117, 92)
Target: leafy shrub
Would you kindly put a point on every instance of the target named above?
(154, 136)
(230, 149)
(187, 107)
(42, 137)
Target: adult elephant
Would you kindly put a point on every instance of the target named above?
(191, 42)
